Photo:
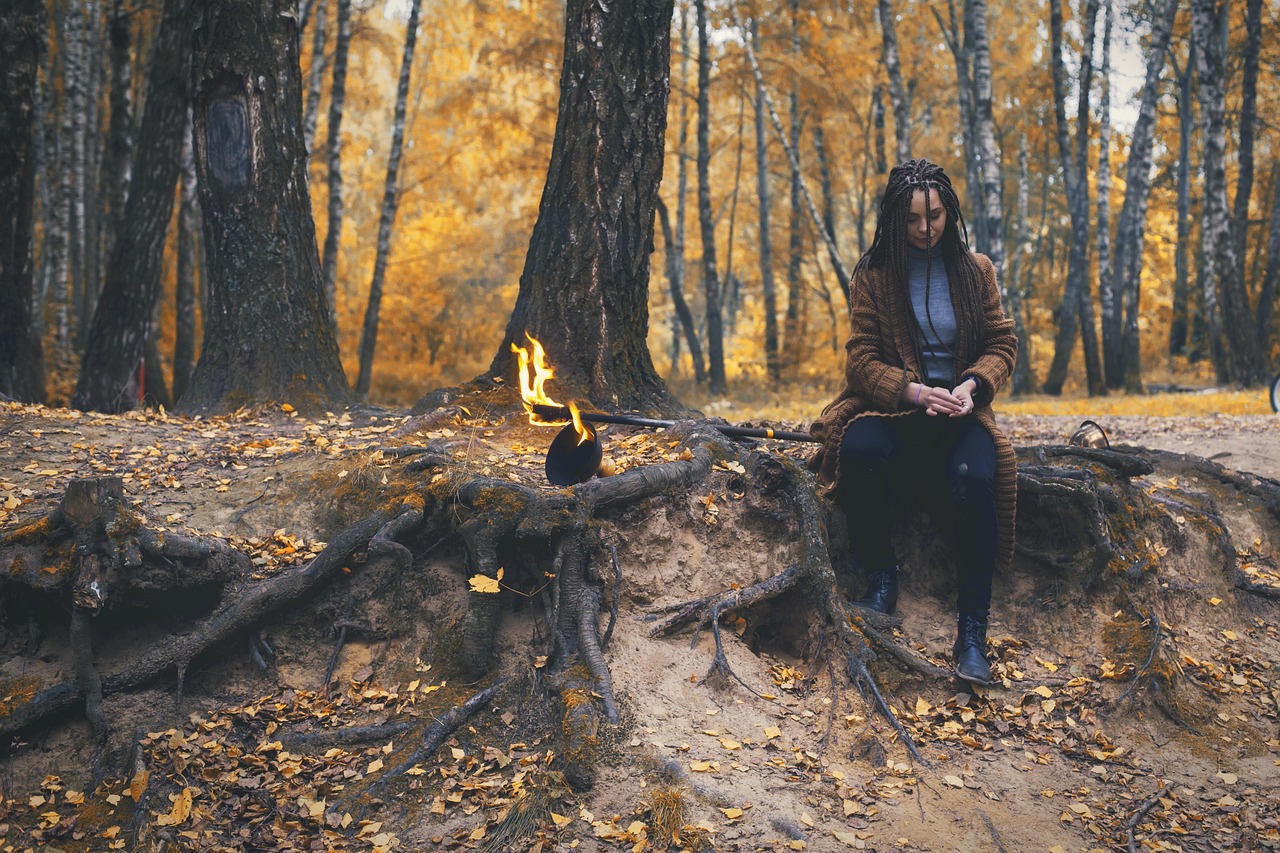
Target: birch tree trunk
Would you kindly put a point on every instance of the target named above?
(897, 90)
(706, 222)
(1179, 328)
(333, 151)
(767, 286)
(793, 325)
(315, 77)
(1075, 314)
(1112, 315)
(21, 42)
(984, 132)
(189, 267)
(390, 201)
(1244, 359)
(1126, 277)
(674, 234)
(833, 251)
(120, 333)
(877, 115)
(960, 45)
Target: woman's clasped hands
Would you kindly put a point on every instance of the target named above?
(955, 403)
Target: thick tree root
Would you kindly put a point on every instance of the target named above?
(436, 733)
(249, 607)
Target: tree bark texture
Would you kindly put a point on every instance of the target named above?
(1120, 319)
(21, 41)
(390, 200)
(190, 267)
(118, 154)
(897, 91)
(333, 151)
(267, 333)
(121, 328)
(706, 220)
(584, 289)
(1244, 360)
(1075, 310)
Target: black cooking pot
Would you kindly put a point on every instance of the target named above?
(570, 461)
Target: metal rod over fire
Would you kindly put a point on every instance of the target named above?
(562, 413)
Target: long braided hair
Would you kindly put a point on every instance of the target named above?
(888, 250)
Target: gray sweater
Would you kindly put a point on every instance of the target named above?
(935, 314)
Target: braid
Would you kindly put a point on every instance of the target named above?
(888, 249)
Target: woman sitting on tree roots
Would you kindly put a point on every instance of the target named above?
(929, 347)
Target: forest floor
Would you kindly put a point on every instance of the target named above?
(1062, 755)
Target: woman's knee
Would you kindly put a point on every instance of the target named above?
(971, 482)
(866, 446)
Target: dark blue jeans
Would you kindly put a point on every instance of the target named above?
(949, 464)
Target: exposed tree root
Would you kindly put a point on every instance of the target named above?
(238, 613)
(436, 733)
(1132, 824)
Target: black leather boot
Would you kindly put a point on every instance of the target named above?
(882, 591)
(971, 650)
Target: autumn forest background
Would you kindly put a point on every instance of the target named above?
(1118, 220)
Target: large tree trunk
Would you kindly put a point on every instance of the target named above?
(1179, 328)
(333, 150)
(21, 40)
(1075, 313)
(1131, 230)
(267, 333)
(768, 288)
(584, 290)
(390, 199)
(877, 118)
(897, 91)
(706, 221)
(121, 328)
(1244, 359)
(190, 267)
(984, 132)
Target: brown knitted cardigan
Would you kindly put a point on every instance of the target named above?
(883, 355)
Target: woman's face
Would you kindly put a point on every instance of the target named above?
(926, 215)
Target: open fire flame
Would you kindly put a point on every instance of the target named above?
(533, 389)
